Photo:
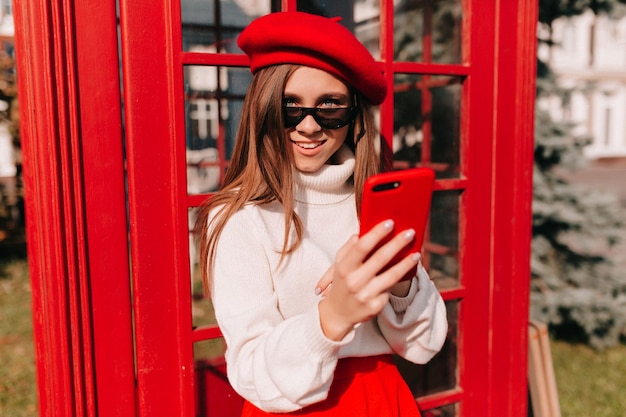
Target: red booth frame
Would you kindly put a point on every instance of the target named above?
(108, 348)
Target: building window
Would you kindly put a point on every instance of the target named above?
(607, 126)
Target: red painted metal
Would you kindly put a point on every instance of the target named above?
(386, 56)
(206, 332)
(476, 314)
(232, 60)
(152, 74)
(214, 395)
(512, 206)
(105, 206)
(497, 204)
(440, 399)
(45, 258)
(431, 68)
(76, 228)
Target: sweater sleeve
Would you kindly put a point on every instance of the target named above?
(415, 326)
(278, 364)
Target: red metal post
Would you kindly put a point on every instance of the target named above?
(157, 194)
(105, 206)
(499, 125)
(75, 202)
(475, 366)
(512, 212)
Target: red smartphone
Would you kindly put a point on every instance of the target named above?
(403, 196)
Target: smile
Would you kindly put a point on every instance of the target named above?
(309, 145)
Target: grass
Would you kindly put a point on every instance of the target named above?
(590, 383)
(18, 390)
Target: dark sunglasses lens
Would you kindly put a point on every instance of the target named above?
(326, 118)
(334, 118)
(293, 116)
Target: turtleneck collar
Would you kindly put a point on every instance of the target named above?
(330, 184)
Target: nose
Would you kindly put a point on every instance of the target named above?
(308, 125)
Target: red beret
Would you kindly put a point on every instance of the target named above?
(313, 41)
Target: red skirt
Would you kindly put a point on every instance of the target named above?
(361, 387)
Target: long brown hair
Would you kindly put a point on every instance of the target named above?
(261, 168)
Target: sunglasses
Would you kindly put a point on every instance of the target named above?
(327, 118)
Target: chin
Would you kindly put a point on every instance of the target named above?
(308, 166)
(307, 169)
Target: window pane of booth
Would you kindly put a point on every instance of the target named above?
(445, 411)
(408, 119)
(213, 25)
(361, 17)
(440, 373)
(446, 125)
(213, 103)
(442, 249)
(427, 123)
(201, 309)
(428, 31)
(214, 397)
(209, 350)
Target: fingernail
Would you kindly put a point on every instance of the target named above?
(388, 224)
(318, 290)
(409, 234)
(416, 257)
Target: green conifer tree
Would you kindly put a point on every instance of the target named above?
(576, 287)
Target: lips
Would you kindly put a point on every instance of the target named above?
(309, 145)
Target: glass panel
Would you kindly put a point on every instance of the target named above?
(408, 31)
(442, 250)
(214, 395)
(213, 25)
(446, 125)
(213, 103)
(362, 17)
(408, 119)
(427, 123)
(201, 308)
(441, 372)
(451, 410)
(428, 31)
(209, 350)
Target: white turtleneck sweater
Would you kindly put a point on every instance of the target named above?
(277, 355)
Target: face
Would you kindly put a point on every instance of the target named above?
(314, 145)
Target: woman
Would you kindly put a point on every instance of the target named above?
(309, 323)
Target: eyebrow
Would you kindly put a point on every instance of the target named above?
(324, 96)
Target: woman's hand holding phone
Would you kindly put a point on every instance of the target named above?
(354, 288)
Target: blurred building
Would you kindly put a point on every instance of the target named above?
(11, 196)
(589, 60)
(8, 167)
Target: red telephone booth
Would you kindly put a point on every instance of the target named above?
(128, 113)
